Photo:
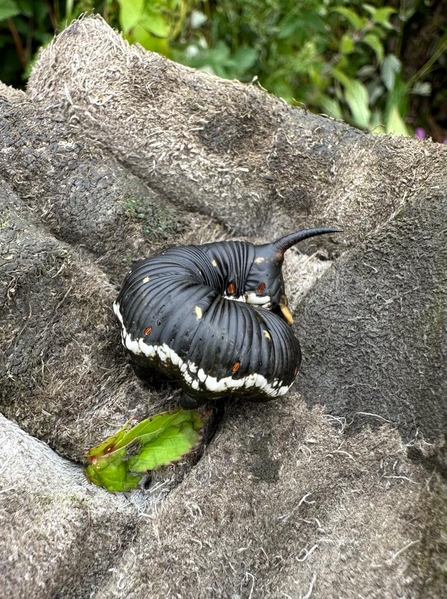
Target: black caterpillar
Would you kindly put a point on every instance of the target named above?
(177, 318)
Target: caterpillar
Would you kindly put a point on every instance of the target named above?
(214, 317)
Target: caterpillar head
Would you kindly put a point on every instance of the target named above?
(265, 284)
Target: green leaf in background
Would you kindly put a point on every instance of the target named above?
(346, 44)
(397, 97)
(8, 9)
(395, 123)
(297, 50)
(119, 462)
(356, 96)
(149, 41)
(380, 15)
(130, 13)
(374, 42)
(155, 23)
(390, 67)
(331, 107)
(352, 17)
(244, 58)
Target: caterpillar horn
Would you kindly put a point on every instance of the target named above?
(286, 242)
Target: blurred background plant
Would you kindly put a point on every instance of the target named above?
(380, 66)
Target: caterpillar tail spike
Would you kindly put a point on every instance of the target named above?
(286, 242)
(214, 317)
(268, 265)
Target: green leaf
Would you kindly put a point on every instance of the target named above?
(170, 445)
(375, 91)
(131, 12)
(221, 51)
(31, 8)
(150, 42)
(395, 123)
(138, 19)
(147, 431)
(352, 17)
(331, 107)
(306, 23)
(407, 10)
(398, 96)
(154, 22)
(383, 14)
(340, 76)
(244, 58)
(380, 15)
(374, 42)
(8, 9)
(390, 67)
(346, 44)
(108, 447)
(111, 471)
(113, 477)
(356, 96)
(118, 463)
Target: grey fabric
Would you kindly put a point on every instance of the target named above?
(337, 490)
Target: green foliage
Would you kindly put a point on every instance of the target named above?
(152, 23)
(119, 462)
(334, 56)
(331, 56)
(27, 25)
(340, 57)
(8, 9)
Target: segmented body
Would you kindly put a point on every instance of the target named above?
(209, 316)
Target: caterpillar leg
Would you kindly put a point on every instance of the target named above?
(147, 374)
(143, 372)
(189, 403)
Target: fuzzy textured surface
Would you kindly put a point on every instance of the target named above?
(337, 490)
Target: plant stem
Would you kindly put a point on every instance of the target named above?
(442, 45)
(18, 43)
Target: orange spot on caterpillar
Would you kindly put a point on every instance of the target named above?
(235, 367)
(231, 288)
(147, 331)
(260, 288)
